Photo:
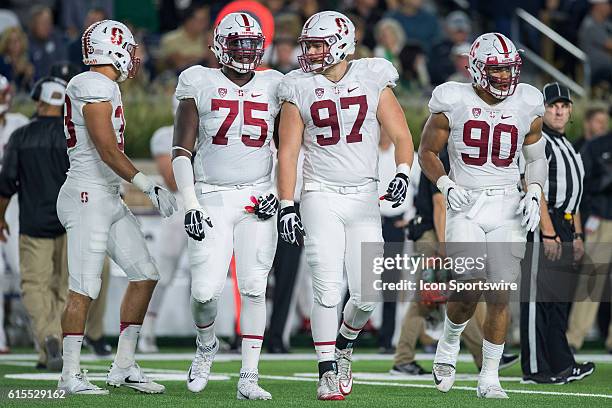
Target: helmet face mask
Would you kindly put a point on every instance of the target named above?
(238, 43)
(495, 65)
(327, 38)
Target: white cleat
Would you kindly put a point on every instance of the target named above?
(328, 388)
(444, 376)
(78, 384)
(344, 359)
(199, 371)
(147, 345)
(248, 389)
(132, 377)
(490, 391)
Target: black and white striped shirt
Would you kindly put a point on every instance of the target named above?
(563, 190)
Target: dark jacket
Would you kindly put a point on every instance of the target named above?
(35, 166)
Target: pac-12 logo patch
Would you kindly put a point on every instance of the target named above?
(319, 92)
(222, 92)
(476, 112)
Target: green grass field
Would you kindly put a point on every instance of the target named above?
(291, 380)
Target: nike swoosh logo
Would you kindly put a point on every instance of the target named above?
(189, 377)
(351, 90)
(506, 117)
(129, 381)
(436, 378)
(255, 95)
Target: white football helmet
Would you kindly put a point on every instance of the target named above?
(111, 42)
(336, 31)
(6, 94)
(238, 42)
(494, 50)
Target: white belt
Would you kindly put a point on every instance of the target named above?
(484, 192)
(74, 182)
(209, 188)
(369, 187)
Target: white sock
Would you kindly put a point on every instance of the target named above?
(206, 334)
(251, 349)
(204, 315)
(126, 346)
(324, 329)
(353, 320)
(449, 343)
(491, 354)
(252, 326)
(71, 354)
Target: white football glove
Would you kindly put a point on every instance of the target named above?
(264, 207)
(398, 189)
(290, 227)
(456, 197)
(163, 200)
(530, 207)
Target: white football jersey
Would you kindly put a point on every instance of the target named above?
(236, 125)
(341, 131)
(12, 121)
(85, 162)
(485, 140)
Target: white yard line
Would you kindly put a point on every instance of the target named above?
(596, 358)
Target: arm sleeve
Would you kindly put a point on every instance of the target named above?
(9, 176)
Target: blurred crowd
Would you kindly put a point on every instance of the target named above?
(425, 39)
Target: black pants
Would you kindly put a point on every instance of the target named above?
(286, 263)
(544, 347)
(390, 234)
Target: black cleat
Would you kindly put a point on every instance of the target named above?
(99, 347)
(413, 368)
(540, 378)
(508, 360)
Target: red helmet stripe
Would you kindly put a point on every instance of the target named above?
(503, 43)
(246, 22)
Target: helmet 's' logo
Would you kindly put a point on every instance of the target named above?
(342, 26)
(116, 36)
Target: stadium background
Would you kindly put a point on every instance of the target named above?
(423, 38)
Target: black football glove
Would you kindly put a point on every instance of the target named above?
(263, 207)
(397, 190)
(195, 221)
(290, 226)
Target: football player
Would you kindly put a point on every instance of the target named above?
(9, 251)
(96, 219)
(227, 116)
(170, 248)
(486, 124)
(336, 109)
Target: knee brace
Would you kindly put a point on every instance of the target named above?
(253, 286)
(204, 292)
(326, 294)
(143, 270)
(87, 285)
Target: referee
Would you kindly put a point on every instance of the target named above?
(546, 357)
